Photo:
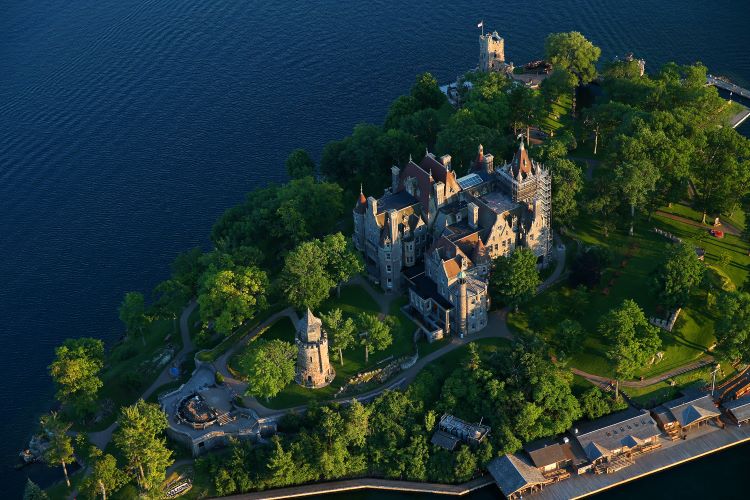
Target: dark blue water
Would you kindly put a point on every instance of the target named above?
(128, 126)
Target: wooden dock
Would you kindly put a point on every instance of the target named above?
(730, 87)
(701, 442)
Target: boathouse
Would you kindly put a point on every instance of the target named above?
(452, 430)
(738, 411)
(612, 441)
(681, 415)
(515, 477)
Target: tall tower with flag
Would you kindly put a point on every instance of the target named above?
(491, 51)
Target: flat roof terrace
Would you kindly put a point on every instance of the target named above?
(703, 441)
(498, 202)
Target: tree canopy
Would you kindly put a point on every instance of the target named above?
(679, 274)
(75, 372)
(515, 278)
(375, 334)
(229, 297)
(572, 52)
(269, 367)
(733, 328)
(340, 330)
(633, 341)
(299, 164)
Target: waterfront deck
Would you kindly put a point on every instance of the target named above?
(367, 483)
(735, 89)
(703, 441)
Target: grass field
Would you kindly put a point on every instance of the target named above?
(559, 115)
(354, 299)
(630, 275)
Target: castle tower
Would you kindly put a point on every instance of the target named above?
(358, 214)
(491, 52)
(314, 369)
(462, 304)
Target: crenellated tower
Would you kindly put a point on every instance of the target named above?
(314, 369)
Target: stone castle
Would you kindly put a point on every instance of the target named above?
(314, 369)
(491, 52)
(436, 235)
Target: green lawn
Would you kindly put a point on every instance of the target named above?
(559, 115)
(659, 393)
(641, 256)
(354, 299)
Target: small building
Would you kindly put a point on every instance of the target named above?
(549, 455)
(679, 416)
(614, 439)
(452, 430)
(515, 477)
(738, 411)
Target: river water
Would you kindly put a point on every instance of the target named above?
(128, 126)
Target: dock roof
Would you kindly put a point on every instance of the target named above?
(692, 408)
(739, 408)
(627, 428)
(512, 474)
(547, 452)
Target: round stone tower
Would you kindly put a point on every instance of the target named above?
(314, 370)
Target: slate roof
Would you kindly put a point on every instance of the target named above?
(512, 474)
(547, 452)
(739, 408)
(444, 440)
(427, 289)
(624, 428)
(396, 201)
(692, 408)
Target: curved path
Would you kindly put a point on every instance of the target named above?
(605, 381)
(101, 438)
(725, 226)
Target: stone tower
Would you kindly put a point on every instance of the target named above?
(491, 52)
(314, 370)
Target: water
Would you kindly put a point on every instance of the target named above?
(128, 126)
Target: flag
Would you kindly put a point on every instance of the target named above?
(481, 24)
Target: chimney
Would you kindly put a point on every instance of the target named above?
(438, 189)
(394, 178)
(446, 161)
(473, 210)
(489, 163)
(372, 205)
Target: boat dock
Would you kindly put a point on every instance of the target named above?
(703, 441)
(728, 86)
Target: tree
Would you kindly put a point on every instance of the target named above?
(75, 371)
(229, 297)
(427, 92)
(140, 439)
(515, 278)
(558, 84)
(340, 330)
(269, 366)
(305, 280)
(188, 267)
(465, 464)
(679, 274)
(636, 182)
(733, 328)
(375, 334)
(633, 341)
(32, 491)
(567, 183)
(595, 403)
(299, 164)
(588, 266)
(342, 261)
(170, 297)
(133, 314)
(60, 444)
(403, 107)
(104, 477)
(572, 52)
(569, 336)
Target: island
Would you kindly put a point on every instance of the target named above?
(535, 276)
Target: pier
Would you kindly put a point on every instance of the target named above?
(703, 441)
(723, 84)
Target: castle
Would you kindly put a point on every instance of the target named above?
(492, 52)
(314, 369)
(437, 234)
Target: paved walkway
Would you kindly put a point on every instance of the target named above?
(101, 438)
(605, 381)
(727, 228)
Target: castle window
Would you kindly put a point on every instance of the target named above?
(388, 268)
(388, 256)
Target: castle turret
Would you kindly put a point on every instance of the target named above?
(358, 215)
(491, 52)
(313, 366)
(462, 308)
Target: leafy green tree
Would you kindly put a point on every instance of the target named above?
(403, 107)
(188, 267)
(229, 297)
(133, 314)
(569, 336)
(525, 108)
(595, 403)
(60, 444)
(357, 424)
(515, 278)
(105, 477)
(269, 366)
(733, 328)
(680, 273)
(139, 438)
(572, 52)
(305, 280)
(636, 182)
(170, 297)
(461, 136)
(32, 491)
(567, 183)
(299, 164)
(423, 126)
(465, 465)
(375, 334)
(341, 331)
(633, 341)
(427, 92)
(75, 371)
(558, 84)
(281, 465)
(342, 261)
